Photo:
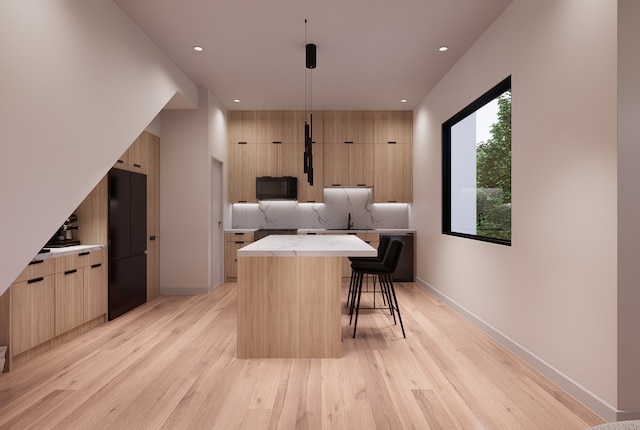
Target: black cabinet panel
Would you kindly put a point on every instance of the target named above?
(119, 213)
(138, 213)
(127, 241)
(127, 284)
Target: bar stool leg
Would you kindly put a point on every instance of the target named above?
(395, 299)
(355, 324)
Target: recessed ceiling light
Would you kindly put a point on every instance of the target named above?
(443, 48)
(236, 100)
(403, 101)
(198, 48)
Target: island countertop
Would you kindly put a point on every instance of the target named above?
(345, 245)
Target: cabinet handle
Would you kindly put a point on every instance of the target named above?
(84, 253)
(311, 201)
(33, 281)
(392, 201)
(152, 238)
(242, 201)
(239, 242)
(335, 185)
(35, 262)
(238, 234)
(94, 266)
(391, 142)
(136, 165)
(69, 272)
(361, 185)
(277, 143)
(242, 143)
(120, 161)
(348, 142)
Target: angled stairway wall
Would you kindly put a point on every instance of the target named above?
(78, 82)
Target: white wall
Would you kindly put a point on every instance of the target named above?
(190, 138)
(551, 296)
(628, 205)
(79, 83)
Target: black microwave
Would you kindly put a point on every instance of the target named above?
(277, 188)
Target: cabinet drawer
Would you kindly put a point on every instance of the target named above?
(231, 249)
(238, 237)
(75, 261)
(36, 269)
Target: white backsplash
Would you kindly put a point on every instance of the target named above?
(332, 214)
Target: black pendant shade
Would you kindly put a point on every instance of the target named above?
(311, 56)
(310, 62)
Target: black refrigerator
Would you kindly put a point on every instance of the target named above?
(127, 241)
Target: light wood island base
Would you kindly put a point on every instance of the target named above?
(289, 307)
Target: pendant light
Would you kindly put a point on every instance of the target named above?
(310, 64)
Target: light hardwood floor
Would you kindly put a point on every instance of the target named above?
(172, 364)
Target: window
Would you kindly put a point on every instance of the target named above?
(476, 150)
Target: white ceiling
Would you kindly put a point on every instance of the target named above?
(370, 53)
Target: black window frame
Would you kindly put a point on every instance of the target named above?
(484, 99)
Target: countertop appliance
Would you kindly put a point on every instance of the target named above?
(63, 237)
(127, 241)
(277, 188)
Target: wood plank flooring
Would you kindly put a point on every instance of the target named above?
(171, 364)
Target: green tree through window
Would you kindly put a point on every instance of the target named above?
(476, 168)
(493, 163)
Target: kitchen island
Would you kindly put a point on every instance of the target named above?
(289, 290)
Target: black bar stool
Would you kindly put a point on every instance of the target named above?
(384, 271)
(383, 245)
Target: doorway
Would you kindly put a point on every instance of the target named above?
(217, 234)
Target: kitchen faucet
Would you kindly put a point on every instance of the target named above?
(349, 223)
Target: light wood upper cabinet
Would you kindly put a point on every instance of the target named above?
(134, 158)
(394, 173)
(360, 164)
(241, 126)
(350, 126)
(346, 158)
(278, 126)
(348, 165)
(394, 126)
(242, 173)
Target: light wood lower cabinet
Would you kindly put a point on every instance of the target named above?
(233, 242)
(95, 291)
(33, 313)
(53, 298)
(69, 298)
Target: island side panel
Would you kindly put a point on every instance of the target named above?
(320, 310)
(267, 307)
(289, 307)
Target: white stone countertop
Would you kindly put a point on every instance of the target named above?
(332, 230)
(68, 250)
(326, 245)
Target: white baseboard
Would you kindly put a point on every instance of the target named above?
(571, 387)
(191, 291)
